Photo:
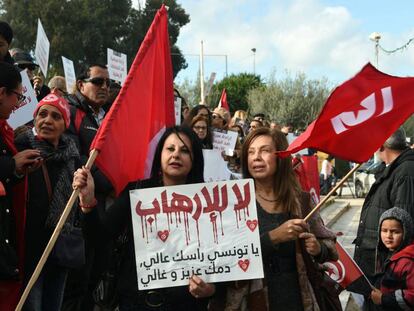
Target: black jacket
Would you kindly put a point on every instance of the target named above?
(116, 221)
(83, 134)
(394, 188)
(8, 253)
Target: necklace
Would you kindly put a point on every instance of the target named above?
(263, 198)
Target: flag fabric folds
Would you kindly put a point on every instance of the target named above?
(347, 273)
(223, 101)
(359, 116)
(141, 112)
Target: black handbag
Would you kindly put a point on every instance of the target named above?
(69, 249)
(326, 289)
(105, 294)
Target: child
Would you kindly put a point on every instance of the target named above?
(396, 246)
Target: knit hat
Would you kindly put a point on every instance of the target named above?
(58, 102)
(406, 222)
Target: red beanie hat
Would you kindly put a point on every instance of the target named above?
(58, 102)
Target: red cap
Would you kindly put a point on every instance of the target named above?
(58, 102)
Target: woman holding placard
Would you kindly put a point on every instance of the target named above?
(285, 237)
(178, 160)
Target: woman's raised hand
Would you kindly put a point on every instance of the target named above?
(288, 231)
(83, 181)
(200, 289)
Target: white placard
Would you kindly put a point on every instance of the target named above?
(177, 110)
(117, 66)
(210, 230)
(42, 48)
(25, 113)
(70, 75)
(215, 168)
(225, 141)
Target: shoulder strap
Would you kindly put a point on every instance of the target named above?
(47, 181)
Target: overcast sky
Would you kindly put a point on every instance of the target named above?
(322, 38)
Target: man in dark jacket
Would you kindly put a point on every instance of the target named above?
(87, 113)
(394, 187)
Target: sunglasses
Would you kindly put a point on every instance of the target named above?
(27, 66)
(99, 81)
(20, 97)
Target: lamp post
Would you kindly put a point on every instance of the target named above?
(254, 60)
(375, 36)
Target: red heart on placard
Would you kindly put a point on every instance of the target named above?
(251, 224)
(163, 235)
(244, 264)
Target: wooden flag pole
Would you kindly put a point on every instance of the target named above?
(53, 238)
(322, 202)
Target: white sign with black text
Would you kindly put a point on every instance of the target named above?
(42, 48)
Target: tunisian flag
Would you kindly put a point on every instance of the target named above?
(141, 112)
(347, 273)
(306, 170)
(359, 116)
(223, 101)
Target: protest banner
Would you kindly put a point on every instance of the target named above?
(25, 111)
(208, 229)
(177, 110)
(215, 168)
(117, 66)
(225, 141)
(42, 48)
(70, 75)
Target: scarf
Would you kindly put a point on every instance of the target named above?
(64, 155)
(6, 132)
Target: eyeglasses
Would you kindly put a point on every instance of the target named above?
(99, 81)
(20, 97)
(200, 128)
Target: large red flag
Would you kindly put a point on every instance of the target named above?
(223, 101)
(347, 273)
(359, 116)
(306, 170)
(141, 112)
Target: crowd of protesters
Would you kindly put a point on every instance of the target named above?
(42, 161)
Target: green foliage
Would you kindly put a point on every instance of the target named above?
(237, 87)
(82, 30)
(292, 100)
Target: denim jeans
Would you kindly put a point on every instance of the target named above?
(47, 292)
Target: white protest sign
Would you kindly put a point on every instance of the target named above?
(42, 48)
(225, 141)
(70, 75)
(117, 66)
(177, 110)
(215, 168)
(24, 113)
(210, 230)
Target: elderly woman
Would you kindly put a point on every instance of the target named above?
(178, 160)
(49, 189)
(281, 206)
(13, 166)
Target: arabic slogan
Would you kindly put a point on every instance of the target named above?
(207, 229)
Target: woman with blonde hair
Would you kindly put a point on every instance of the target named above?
(287, 240)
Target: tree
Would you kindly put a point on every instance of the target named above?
(296, 101)
(82, 30)
(237, 87)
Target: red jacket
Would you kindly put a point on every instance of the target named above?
(397, 284)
